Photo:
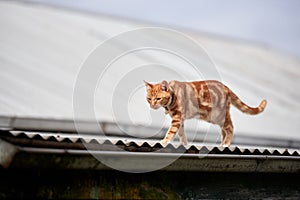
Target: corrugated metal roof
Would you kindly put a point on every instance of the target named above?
(36, 143)
(73, 151)
(104, 143)
(38, 81)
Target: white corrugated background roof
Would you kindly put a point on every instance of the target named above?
(42, 48)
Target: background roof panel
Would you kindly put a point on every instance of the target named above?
(42, 49)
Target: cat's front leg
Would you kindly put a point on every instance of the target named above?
(175, 125)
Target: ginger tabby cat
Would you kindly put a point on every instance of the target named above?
(207, 100)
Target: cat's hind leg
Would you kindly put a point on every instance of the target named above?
(182, 137)
(227, 132)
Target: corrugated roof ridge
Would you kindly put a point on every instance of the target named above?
(134, 144)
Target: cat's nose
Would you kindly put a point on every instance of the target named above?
(153, 106)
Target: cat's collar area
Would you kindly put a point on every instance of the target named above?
(171, 103)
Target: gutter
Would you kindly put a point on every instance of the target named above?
(7, 153)
(142, 162)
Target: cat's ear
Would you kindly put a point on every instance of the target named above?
(148, 85)
(165, 86)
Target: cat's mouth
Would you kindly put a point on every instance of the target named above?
(155, 107)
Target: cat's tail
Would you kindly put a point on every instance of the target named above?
(235, 100)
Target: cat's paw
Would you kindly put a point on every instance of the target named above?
(183, 143)
(164, 142)
(224, 145)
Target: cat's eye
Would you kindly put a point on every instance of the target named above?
(158, 99)
(149, 99)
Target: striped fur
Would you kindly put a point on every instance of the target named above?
(206, 100)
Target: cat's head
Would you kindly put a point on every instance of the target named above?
(158, 95)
